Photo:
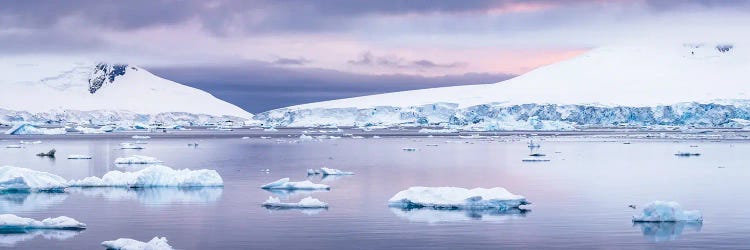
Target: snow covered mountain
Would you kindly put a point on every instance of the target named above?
(675, 84)
(51, 90)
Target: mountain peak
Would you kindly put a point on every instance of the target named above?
(104, 74)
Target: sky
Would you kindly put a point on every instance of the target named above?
(262, 54)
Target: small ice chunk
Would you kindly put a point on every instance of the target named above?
(79, 157)
(294, 185)
(308, 202)
(156, 243)
(333, 171)
(141, 137)
(304, 137)
(454, 198)
(535, 159)
(15, 179)
(13, 146)
(687, 154)
(245, 137)
(409, 149)
(11, 222)
(137, 159)
(154, 176)
(126, 145)
(31, 142)
(666, 211)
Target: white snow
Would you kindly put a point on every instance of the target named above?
(137, 159)
(456, 198)
(285, 184)
(153, 176)
(666, 211)
(15, 179)
(28, 129)
(130, 244)
(63, 84)
(333, 171)
(307, 202)
(12, 222)
(76, 156)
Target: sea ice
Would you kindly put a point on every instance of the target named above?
(141, 137)
(666, 211)
(454, 198)
(79, 157)
(126, 145)
(11, 222)
(153, 176)
(137, 159)
(333, 171)
(294, 185)
(307, 202)
(15, 179)
(130, 244)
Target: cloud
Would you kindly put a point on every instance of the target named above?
(258, 86)
(291, 61)
(367, 59)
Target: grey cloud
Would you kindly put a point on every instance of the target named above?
(258, 86)
(368, 59)
(291, 61)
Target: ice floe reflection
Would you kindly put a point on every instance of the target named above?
(10, 239)
(427, 215)
(25, 202)
(157, 196)
(666, 231)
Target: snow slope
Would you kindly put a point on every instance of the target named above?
(605, 85)
(58, 85)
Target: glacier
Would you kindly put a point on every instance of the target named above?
(666, 211)
(153, 176)
(633, 85)
(285, 184)
(156, 243)
(85, 92)
(13, 223)
(15, 179)
(455, 198)
(305, 203)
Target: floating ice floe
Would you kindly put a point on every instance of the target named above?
(86, 130)
(687, 154)
(141, 137)
(437, 131)
(153, 176)
(245, 137)
(409, 149)
(81, 157)
(305, 137)
(305, 203)
(13, 146)
(31, 142)
(311, 171)
(126, 145)
(358, 137)
(376, 137)
(156, 243)
(28, 129)
(666, 211)
(333, 171)
(15, 179)
(294, 185)
(535, 159)
(11, 222)
(454, 198)
(137, 159)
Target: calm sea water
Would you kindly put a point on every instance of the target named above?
(580, 198)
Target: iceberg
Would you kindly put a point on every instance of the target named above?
(86, 130)
(28, 129)
(13, 223)
(441, 216)
(311, 171)
(82, 157)
(126, 145)
(285, 184)
(153, 176)
(305, 203)
(130, 244)
(455, 198)
(666, 211)
(15, 179)
(305, 138)
(137, 159)
(333, 171)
